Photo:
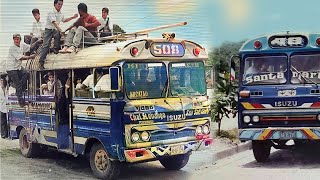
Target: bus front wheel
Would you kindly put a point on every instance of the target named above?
(175, 162)
(27, 149)
(261, 150)
(101, 164)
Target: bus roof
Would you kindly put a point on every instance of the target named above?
(110, 53)
(281, 42)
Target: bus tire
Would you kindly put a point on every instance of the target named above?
(261, 150)
(102, 166)
(175, 162)
(27, 149)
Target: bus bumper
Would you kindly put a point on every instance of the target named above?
(306, 133)
(151, 153)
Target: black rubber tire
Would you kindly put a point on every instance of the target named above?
(112, 170)
(261, 150)
(175, 162)
(27, 149)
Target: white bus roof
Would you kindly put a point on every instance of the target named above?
(108, 54)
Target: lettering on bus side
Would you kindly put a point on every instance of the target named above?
(176, 117)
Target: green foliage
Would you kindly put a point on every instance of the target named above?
(117, 29)
(225, 100)
(219, 57)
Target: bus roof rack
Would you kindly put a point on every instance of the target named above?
(144, 32)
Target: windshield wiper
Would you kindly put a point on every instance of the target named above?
(304, 78)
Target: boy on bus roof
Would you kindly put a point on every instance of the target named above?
(85, 26)
(106, 27)
(37, 29)
(53, 30)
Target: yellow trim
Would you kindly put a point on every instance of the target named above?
(200, 122)
(140, 145)
(145, 128)
(264, 134)
(247, 105)
(312, 134)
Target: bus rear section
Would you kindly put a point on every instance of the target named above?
(278, 92)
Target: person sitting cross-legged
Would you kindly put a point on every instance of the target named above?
(87, 24)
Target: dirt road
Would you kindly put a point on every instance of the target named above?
(55, 165)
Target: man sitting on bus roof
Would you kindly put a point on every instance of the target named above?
(106, 27)
(87, 24)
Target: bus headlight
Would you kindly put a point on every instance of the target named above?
(255, 118)
(145, 136)
(206, 129)
(246, 119)
(135, 137)
(199, 130)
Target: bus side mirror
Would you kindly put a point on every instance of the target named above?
(115, 79)
(234, 70)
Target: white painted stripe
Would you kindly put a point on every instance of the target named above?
(306, 105)
(80, 140)
(267, 105)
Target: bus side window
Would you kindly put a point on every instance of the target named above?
(83, 83)
(102, 83)
(45, 83)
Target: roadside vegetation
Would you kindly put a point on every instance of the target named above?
(225, 96)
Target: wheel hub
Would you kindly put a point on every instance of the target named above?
(101, 160)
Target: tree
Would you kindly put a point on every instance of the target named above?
(225, 100)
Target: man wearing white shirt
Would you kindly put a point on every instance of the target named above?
(37, 28)
(3, 108)
(14, 69)
(53, 30)
(106, 27)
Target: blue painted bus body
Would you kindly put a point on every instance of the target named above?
(278, 113)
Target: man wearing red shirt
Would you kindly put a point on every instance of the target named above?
(87, 24)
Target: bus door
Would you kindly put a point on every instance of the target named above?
(91, 105)
(63, 99)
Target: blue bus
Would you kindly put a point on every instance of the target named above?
(279, 76)
(126, 102)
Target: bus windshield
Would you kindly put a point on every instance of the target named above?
(305, 69)
(187, 79)
(144, 80)
(265, 70)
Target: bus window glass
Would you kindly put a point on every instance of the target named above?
(84, 83)
(265, 70)
(305, 69)
(187, 79)
(145, 80)
(103, 83)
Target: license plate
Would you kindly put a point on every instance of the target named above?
(288, 134)
(177, 150)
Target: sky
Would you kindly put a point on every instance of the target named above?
(210, 22)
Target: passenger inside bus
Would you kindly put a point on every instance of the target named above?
(93, 82)
(79, 83)
(255, 68)
(103, 83)
(48, 87)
